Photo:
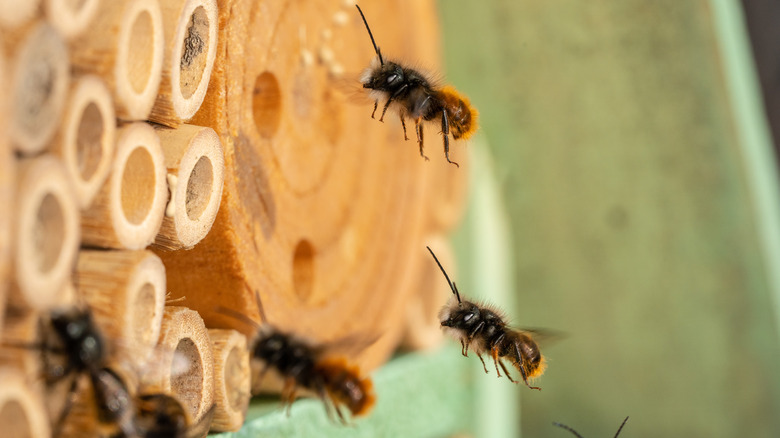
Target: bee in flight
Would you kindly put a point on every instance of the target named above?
(563, 426)
(417, 97)
(303, 365)
(484, 331)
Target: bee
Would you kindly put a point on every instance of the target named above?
(73, 335)
(483, 329)
(304, 365)
(419, 98)
(563, 426)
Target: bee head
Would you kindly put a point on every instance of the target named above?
(460, 315)
(386, 77)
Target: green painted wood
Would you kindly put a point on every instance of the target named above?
(638, 224)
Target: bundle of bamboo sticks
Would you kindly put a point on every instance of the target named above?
(162, 159)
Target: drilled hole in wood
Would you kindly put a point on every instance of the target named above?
(89, 151)
(233, 378)
(193, 55)
(267, 104)
(199, 188)
(303, 269)
(187, 375)
(144, 308)
(49, 232)
(140, 53)
(14, 420)
(137, 190)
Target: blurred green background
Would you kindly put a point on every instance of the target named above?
(637, 176)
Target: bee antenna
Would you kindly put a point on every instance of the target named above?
(376, 49)
(563, 426)
(453, 287)
(621, 427)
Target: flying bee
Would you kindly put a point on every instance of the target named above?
(417, 97)
(483, 329)
(563, 426)
(304, 365)
(73, 335)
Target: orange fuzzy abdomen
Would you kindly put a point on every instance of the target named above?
(462, 117)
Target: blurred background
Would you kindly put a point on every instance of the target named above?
(632, 179)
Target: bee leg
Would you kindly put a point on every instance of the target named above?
(403, 124)
(445, 130)
(288, 394)
(494, 355)
(376, 102)
(506, 372)
(419, 128)
(464, 348)
(522, 369)
(68, 403)
(384, 110)
(484, 367)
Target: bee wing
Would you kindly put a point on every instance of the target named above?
(347, 346)
(542, 335)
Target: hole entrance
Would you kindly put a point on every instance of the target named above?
(187, 375)
(143, 307)
(141, 51)
(199, 188)
(194, 49)
(303, 269)
(137, 190)
(48, 232)
(267, 104)
(89, 151)
(14, 420)
(233, 372)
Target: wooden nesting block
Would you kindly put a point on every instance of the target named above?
(39, 83)
(85, 141)
(323, 208)
(190, 28)
(129, 208)
(22, 413)
(14, 13)
(196, 170)
(126, 292)
(183, 362)
(232, 379)
(69, 17)
(46, 236)
(124, 46)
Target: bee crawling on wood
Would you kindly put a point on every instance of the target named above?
(563, 426)
(484, 330)
(303, 365)
(415, 96)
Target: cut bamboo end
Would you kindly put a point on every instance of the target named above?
(191, 47)
(38, 86)
(196, 168)
(22, 412)
(126, 292)
(70, 17)
(232, 382)
(129, 208)
(14, 13)
(7, 194)
(124, 47)
(87, 137)
(46, 240)
(186, 362)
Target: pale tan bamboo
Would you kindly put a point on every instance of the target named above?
(39, 83)
(124, 46)
(126, 291)
(46, 237)
(232, 384)
(85, 141)
(129, 208)
(7, 194)
(22, 413)
(14, 13)
(70, 17)
(21, 331)
(190, 28)
(185, 362)
(196, 167)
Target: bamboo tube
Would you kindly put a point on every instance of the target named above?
(124, 46)
(86, 139)
(21, 331)
(39, 83)
(126, 291)
(70, 17)
(185, 362)
(190, 28)
(196, 167)
(129, 208)
(22, 413)
(14, 13)
(7, 194)
(46, 238)
(232, 383)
